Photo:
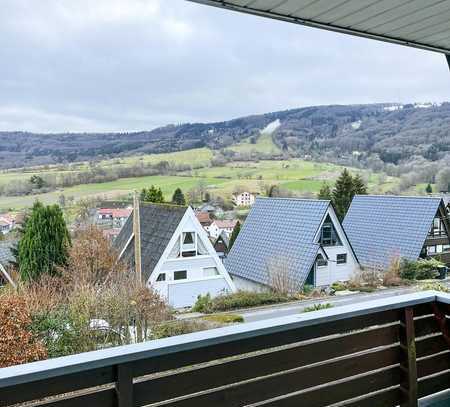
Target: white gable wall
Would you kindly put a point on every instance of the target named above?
(183, 293)
(336, 272)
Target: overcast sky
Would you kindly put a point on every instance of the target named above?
(124, 65)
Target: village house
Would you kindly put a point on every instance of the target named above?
(381, 228)
(243, 199)
(205, 220)
(178, 259)
(7, 223)
(293, 242)
(221, 245)
(221, 226)
(112, 217)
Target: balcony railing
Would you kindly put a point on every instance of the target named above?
(379, 353)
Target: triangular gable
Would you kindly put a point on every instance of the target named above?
(331, 214)
(189, 222)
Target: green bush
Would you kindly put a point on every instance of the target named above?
(427, 269)
(422, 269)
(307, 289)
(241, 299)
(56, 331)
(435, 287)
(339, 286)
(408, 269)
(317, 307)
(203, 304)
(181, 327)
(225, 318)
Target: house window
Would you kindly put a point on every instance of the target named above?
(180, 275)
(188, 238)
(210, 272)
(189, 253)
(161, 277)
(321, 262)
(328, 234)
(431, 249)
(341, 258)
(437, 229)
(446, 247)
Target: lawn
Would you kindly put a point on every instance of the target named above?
(298, 176)
(264, 144)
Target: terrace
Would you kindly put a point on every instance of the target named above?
(380, 353)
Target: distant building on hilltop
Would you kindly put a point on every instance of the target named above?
(243, 199)
(7, 223)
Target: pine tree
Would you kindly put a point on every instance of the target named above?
(343, 193)
(234, 234)
(325, 192)
(44, 243)
(152, 194)
(178, 197)
(429, 189)
(359, 187)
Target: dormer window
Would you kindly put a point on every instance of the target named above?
(328, 234)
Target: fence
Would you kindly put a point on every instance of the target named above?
(379, 353)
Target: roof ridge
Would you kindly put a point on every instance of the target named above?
(291, 199)
(397, 196)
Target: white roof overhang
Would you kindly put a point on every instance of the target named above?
(423, 24)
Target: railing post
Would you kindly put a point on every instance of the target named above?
(408, 363)
(124, 385)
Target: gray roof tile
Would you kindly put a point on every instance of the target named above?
(381, 227)
(6, 256)
(277, 228)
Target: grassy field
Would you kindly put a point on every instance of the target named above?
(264, 144)
(295, 175)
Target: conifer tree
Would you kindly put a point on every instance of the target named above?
(429, 189)
(152, 194)
(343, 193)
(359, 187)
(178, 197)
(234, 234)
(325, 192)
(44, 243)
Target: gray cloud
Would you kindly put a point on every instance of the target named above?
(110, 65)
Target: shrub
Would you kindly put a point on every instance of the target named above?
(55, 330)
(317, 307)
(428, 269)
(18, 344)
(408, 269)
(391, 278)
(366, 277)
(203, 304)
(225, 318)
(339, 286)
(244, 299)
(422, 269)
(435, 287)
(181, 327)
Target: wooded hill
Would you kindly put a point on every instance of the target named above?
(391, 132)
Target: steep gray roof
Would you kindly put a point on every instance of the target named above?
(277, 231)
(380, 227)
(158, 224)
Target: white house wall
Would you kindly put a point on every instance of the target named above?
(194, 266)
(242, 284)
(336, 272)
(184, 294)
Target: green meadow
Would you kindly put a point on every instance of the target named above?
(296, 175)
